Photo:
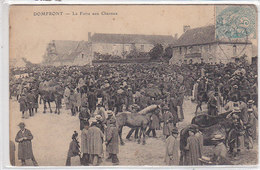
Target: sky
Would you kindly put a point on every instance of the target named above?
(29, 34)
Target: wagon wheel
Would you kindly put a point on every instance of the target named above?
(231, 140)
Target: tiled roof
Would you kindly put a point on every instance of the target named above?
(203, 35)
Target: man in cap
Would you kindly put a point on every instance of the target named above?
(95, 143)
(100, 122)
(84, 115)
(112, 142)
(252, 117)
(172, 149)
(23, 104)
(167, 121)
(23, 138)
(212, 104)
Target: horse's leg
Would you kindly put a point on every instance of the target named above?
(120, 135)
(44, 106)
(140, 135)
(144, 130)
(56, 106)
(50, 106)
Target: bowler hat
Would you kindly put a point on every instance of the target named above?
(174, 131)
(98, 117)
(165, 107)
(21, 124)
(135, 106)
(109, 113)
(250, 102)
(218, 137)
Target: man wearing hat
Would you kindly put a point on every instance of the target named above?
(23, 138)
(100, 122)
(212, 104)
(252, 117)
(23, 104)
(84, 115)
(220, 151)
(172, 149)
(112, 142)
(167, 121)
(95, 143)
(251, 124)
(193, 150)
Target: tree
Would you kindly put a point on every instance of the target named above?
(168, 53)
(156, 52)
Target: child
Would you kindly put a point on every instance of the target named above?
(73, 149)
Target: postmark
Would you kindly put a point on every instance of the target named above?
(236, 22)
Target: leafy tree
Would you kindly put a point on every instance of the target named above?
(168, 53)
(156, 52)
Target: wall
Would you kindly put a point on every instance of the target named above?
(206, 52)
(82, 59)
(225, 52)
(117, 49)
(213, 53)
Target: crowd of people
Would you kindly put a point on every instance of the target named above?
(98, 93)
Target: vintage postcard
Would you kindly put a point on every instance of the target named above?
(133, 85)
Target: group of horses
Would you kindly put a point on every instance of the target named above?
(133, 120)
(209, 125)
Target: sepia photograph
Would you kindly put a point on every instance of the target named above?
(133, 85)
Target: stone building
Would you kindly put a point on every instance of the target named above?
(122, 44)
(63, 52)
(200, 44)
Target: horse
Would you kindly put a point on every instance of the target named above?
(52, 95)
(135, 120)
(211, 125)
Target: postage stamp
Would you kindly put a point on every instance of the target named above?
(234, 22)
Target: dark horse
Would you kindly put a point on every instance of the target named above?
(49, 96)
(211, 125)
(135, 120)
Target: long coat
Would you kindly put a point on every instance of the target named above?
(78, 99)
(30, 100)
(154, 123)
(95, 138)
(112, 139)
(167, 123)
(24, 146)
(73, 149)
(172, 149)
(174, 110)
(193, 151)
(84, 141)
(23, 103)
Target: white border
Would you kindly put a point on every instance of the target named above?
(4, 77)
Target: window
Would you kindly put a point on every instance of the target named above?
(234, 50)
(82, 55)
(180, 50)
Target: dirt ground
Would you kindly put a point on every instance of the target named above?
(52, 135)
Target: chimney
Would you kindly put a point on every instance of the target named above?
(186, 28)
(89, 36)
(176, 36)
